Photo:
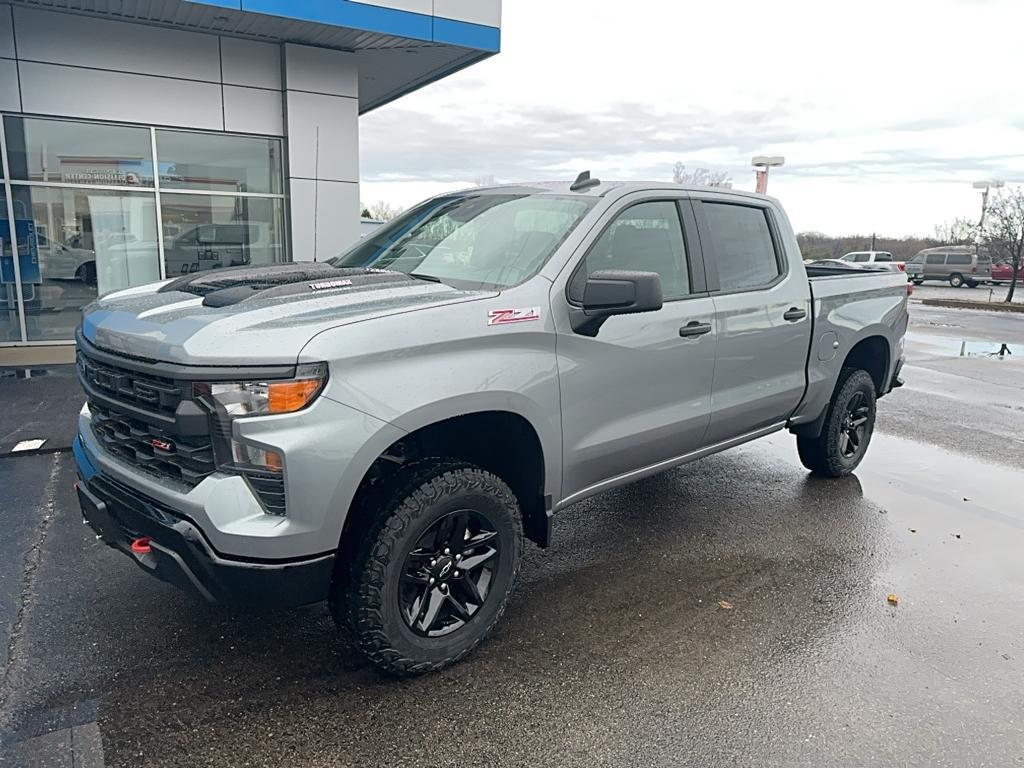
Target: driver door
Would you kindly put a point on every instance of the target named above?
(639, 393)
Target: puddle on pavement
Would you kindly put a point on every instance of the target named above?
(897, 471)
(953, 347)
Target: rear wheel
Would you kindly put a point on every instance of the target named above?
(848, 427)
(956, 280)
(917, 282)
(971, 284)
(435, 569)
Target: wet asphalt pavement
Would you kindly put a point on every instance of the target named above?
(615, 650)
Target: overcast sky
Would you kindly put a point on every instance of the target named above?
(885, 112)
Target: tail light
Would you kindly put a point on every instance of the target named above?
(902, 267)
(974, 270)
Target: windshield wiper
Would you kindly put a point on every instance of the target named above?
(428, 278)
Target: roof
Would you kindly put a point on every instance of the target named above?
(604, 188)
(950, 249)
(399, 45)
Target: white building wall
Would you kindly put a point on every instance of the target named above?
(65, 65)
(322, 108)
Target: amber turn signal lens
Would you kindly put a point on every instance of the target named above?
(288, 396)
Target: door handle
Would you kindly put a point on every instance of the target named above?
(793, 314)
(694, 328)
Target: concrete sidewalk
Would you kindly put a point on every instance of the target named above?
(39, 404)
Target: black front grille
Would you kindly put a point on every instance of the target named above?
(154, 423)
(155, 393)
(155, 450)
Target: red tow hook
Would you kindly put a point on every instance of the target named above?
(141, 545)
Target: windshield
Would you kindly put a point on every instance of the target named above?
(472, 240)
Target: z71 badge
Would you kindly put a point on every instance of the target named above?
(506, 316)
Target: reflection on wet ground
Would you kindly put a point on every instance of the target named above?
(614, 650)
(952, 347)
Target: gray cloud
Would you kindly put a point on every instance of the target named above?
(545, 143)
(538, 143)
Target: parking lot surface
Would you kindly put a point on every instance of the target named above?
(731, 612)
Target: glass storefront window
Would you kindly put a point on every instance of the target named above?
(66, 152)
(10, 325)
(86, 242)
(219, 163)
(209, 231)
(88, 214)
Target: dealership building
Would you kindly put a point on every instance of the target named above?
(144, 139)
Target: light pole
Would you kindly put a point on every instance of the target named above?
(762, 163)
(985, 186)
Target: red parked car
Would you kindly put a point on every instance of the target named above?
(1003, 273)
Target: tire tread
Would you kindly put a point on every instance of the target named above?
(820, 454)
(418, 485)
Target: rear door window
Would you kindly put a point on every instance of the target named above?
(743, 246)
(936, 258)
(883, 257)
(959, 259)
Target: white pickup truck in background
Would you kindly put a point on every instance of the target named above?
(877, 258)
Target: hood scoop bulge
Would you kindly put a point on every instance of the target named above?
(226, 287)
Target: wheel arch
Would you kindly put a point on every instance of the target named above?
(503, 441)
(871, 352)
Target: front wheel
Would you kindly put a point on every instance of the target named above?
(848, 427)
(434, 571)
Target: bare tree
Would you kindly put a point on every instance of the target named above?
(382, 210)
(700, 176)
(958, 231)
(1003, 230)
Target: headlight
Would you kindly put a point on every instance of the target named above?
(244, 399)
(260, 398)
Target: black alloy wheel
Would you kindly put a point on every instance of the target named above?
(846, 432)
(854, 426)
(432, 570)
(448, 574)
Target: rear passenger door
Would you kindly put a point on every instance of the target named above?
(638, 393)
(762, 315)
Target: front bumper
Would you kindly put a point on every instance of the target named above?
(179, 554)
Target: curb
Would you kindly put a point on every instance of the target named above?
(1000, 306)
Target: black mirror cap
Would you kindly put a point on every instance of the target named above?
(609, 292)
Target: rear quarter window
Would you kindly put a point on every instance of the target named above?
(959, 259)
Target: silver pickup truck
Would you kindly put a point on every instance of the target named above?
(383, 430)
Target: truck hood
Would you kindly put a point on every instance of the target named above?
(246, 316)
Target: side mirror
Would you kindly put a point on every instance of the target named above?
(611, 292)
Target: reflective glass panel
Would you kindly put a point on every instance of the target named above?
(206, 232)
(82, 242)
(219, 163)
(79, 153)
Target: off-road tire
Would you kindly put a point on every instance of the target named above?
(419, 495)
(822, 455)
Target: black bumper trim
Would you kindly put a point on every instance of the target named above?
(180, 555)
